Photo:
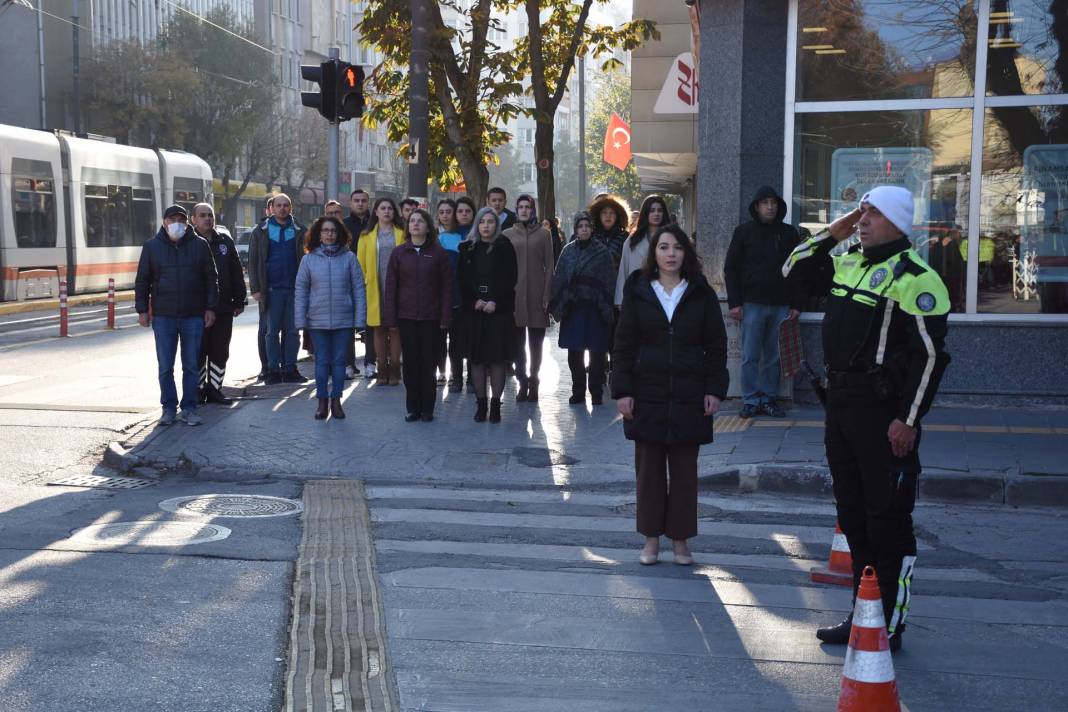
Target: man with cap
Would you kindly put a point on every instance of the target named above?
(178, 282)
(884, 332)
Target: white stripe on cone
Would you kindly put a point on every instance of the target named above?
(871, 667)
(839, 543)
(869, 614)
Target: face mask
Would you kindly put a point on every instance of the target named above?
(176, 230)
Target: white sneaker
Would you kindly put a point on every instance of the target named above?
(167, 418)
(371, 371)
(190, 418)
(350, 373)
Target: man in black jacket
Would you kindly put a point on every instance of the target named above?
(357, 222)
(215, 349)
(760, 298)
(497, 199)
(177, 293)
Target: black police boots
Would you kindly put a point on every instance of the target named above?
(838, 634)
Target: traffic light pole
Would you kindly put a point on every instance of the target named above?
(332, 146)
(419, 103)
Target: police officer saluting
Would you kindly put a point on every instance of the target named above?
(883, 341)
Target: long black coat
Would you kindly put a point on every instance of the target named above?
(668, 368)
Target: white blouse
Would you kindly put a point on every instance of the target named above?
(669, 301)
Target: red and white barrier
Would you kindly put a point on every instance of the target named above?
(63, 314)
(111, 303)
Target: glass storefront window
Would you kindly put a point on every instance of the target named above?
(839, 156)
(1023, 231)
(1027, 48)
(885, 49)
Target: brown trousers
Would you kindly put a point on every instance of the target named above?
(664, 510)
(387, 349)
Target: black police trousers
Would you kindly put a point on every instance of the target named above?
(215, 351)
(875, 493)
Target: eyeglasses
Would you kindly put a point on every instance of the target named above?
(329, 230)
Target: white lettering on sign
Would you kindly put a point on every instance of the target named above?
(680, 92)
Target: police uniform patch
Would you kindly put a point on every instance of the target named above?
(223, 249)
(926, 302)
(878, 278)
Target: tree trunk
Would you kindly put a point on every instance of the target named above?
(545, 158)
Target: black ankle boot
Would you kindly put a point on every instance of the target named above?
(335, 409)
(320, 412)
(495, 410)
(532, 391)
(838, 634)
(480, 411)
(523, 394)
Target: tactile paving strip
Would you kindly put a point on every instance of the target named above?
(337, 649)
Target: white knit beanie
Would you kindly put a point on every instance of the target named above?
(895, 203)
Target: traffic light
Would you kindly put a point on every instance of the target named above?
(349, 91)
(325, 100)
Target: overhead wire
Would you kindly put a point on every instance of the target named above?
(228, 31)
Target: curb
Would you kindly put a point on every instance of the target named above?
(53, 304)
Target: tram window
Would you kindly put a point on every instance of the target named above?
(120, 212)
(188, 192)
(33, 195)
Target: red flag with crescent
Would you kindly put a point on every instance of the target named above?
(617, 143)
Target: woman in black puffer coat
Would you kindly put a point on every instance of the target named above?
(669, 374)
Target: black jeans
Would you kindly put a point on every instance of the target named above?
(419, 349)
(536, 339)
(576, 361)
(874, 492)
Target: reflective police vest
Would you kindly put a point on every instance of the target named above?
(886, 315)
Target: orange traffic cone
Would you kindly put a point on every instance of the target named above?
(868, 683)
(839, 570)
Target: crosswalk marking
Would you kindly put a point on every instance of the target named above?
(484, 605)
(718, 564)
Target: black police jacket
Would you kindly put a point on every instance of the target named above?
(886, 317)
(179, 277)
(668, 368)
(232, 292)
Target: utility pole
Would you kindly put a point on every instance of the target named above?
(418, 103)
(76, 71)
(582, 132)
(41, 63)
(332, 142)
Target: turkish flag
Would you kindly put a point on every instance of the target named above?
(617, 143)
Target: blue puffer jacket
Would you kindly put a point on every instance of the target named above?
(330, 292)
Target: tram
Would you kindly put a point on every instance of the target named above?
(79, 209)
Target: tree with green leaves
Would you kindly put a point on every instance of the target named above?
(233, 117)
(472, 90)
(125, 90)
(547, 55)
(613, 96)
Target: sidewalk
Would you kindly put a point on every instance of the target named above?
(989, 456)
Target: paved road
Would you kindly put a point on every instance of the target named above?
(511, 585)
(534, 601)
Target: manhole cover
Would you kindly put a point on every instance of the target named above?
(232, 505)
(150, 534)
(98, 481)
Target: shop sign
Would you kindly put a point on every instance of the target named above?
(679, 93)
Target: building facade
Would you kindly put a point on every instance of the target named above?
(965, 103)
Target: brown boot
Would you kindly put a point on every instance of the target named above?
(335, 409)
(382, 371)
(320, 412)
(395, 375)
